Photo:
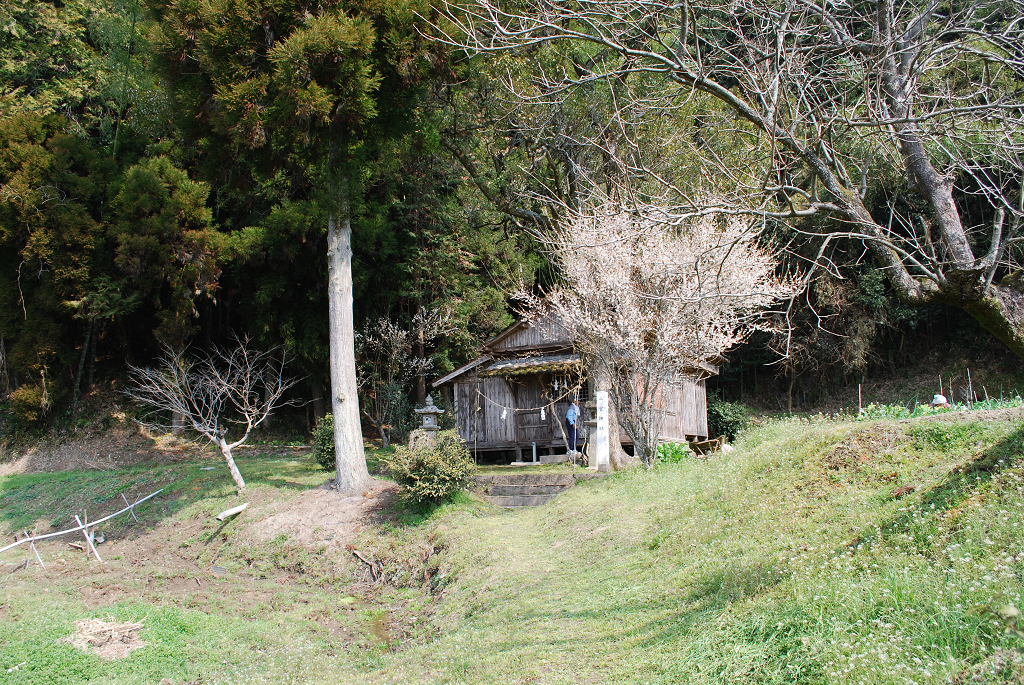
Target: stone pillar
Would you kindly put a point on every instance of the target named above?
(601, 438)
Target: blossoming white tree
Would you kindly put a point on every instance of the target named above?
(649, 299)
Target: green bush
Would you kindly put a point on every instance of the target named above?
(27, 405)
(430, 475)
(323, 443)
(726, 418)
(673, 452)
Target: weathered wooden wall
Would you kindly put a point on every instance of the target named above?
(482, 425)
(499, 430)
(701, 408)
(545, 332)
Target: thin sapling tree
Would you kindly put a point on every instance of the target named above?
(386, 363)
(225, 389)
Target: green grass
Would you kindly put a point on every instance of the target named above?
(262, 623)
(786, 561)
(50, 500)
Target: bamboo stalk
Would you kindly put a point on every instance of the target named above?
(88, 538)
(79, 527)
(32, 545)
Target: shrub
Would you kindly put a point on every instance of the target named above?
(726, 418)
(430, 475)
(27, 405)
(673, 452)
(323, 443)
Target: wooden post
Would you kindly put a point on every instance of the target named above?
(131, 508)
(88, 538)
(34, 550)
(601, 461)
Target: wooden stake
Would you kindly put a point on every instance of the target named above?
(970, 391)
(231, 512)
(88, 538)
(131, 507)
(34, 550)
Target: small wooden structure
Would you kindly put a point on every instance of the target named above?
(512, 399)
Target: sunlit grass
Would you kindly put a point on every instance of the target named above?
(779, 563)
(821, 550)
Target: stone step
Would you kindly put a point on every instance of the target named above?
(512, 501)
(526, 489)
(565, 479)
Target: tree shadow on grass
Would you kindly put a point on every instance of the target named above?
(961, 483)
(665, 620)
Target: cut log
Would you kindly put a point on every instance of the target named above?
(231, 512)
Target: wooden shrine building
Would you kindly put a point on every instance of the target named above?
(513, 397)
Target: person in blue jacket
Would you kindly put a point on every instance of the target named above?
(572, 415)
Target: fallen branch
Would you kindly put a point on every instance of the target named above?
(374, 570)
(231, 512)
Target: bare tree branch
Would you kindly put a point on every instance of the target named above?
(224, 390)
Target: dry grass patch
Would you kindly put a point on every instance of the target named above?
(107, 639)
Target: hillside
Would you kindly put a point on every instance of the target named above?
(818, 551)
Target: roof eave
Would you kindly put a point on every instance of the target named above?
(468, 366)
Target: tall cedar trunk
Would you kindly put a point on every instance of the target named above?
(81, 365)
(225, 450)
(92, 353)
(352, 475)
(269, 421)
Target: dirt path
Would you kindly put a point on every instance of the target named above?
(323, 514)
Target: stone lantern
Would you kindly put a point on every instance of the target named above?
(430, 415)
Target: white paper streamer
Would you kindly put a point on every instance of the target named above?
(543, 416)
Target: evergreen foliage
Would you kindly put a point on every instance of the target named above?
(432, 474)
(726, 418)
(323, 443)
(167, 169)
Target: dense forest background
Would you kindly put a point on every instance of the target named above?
(152, 192)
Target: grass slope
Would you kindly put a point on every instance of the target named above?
(786, 561)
